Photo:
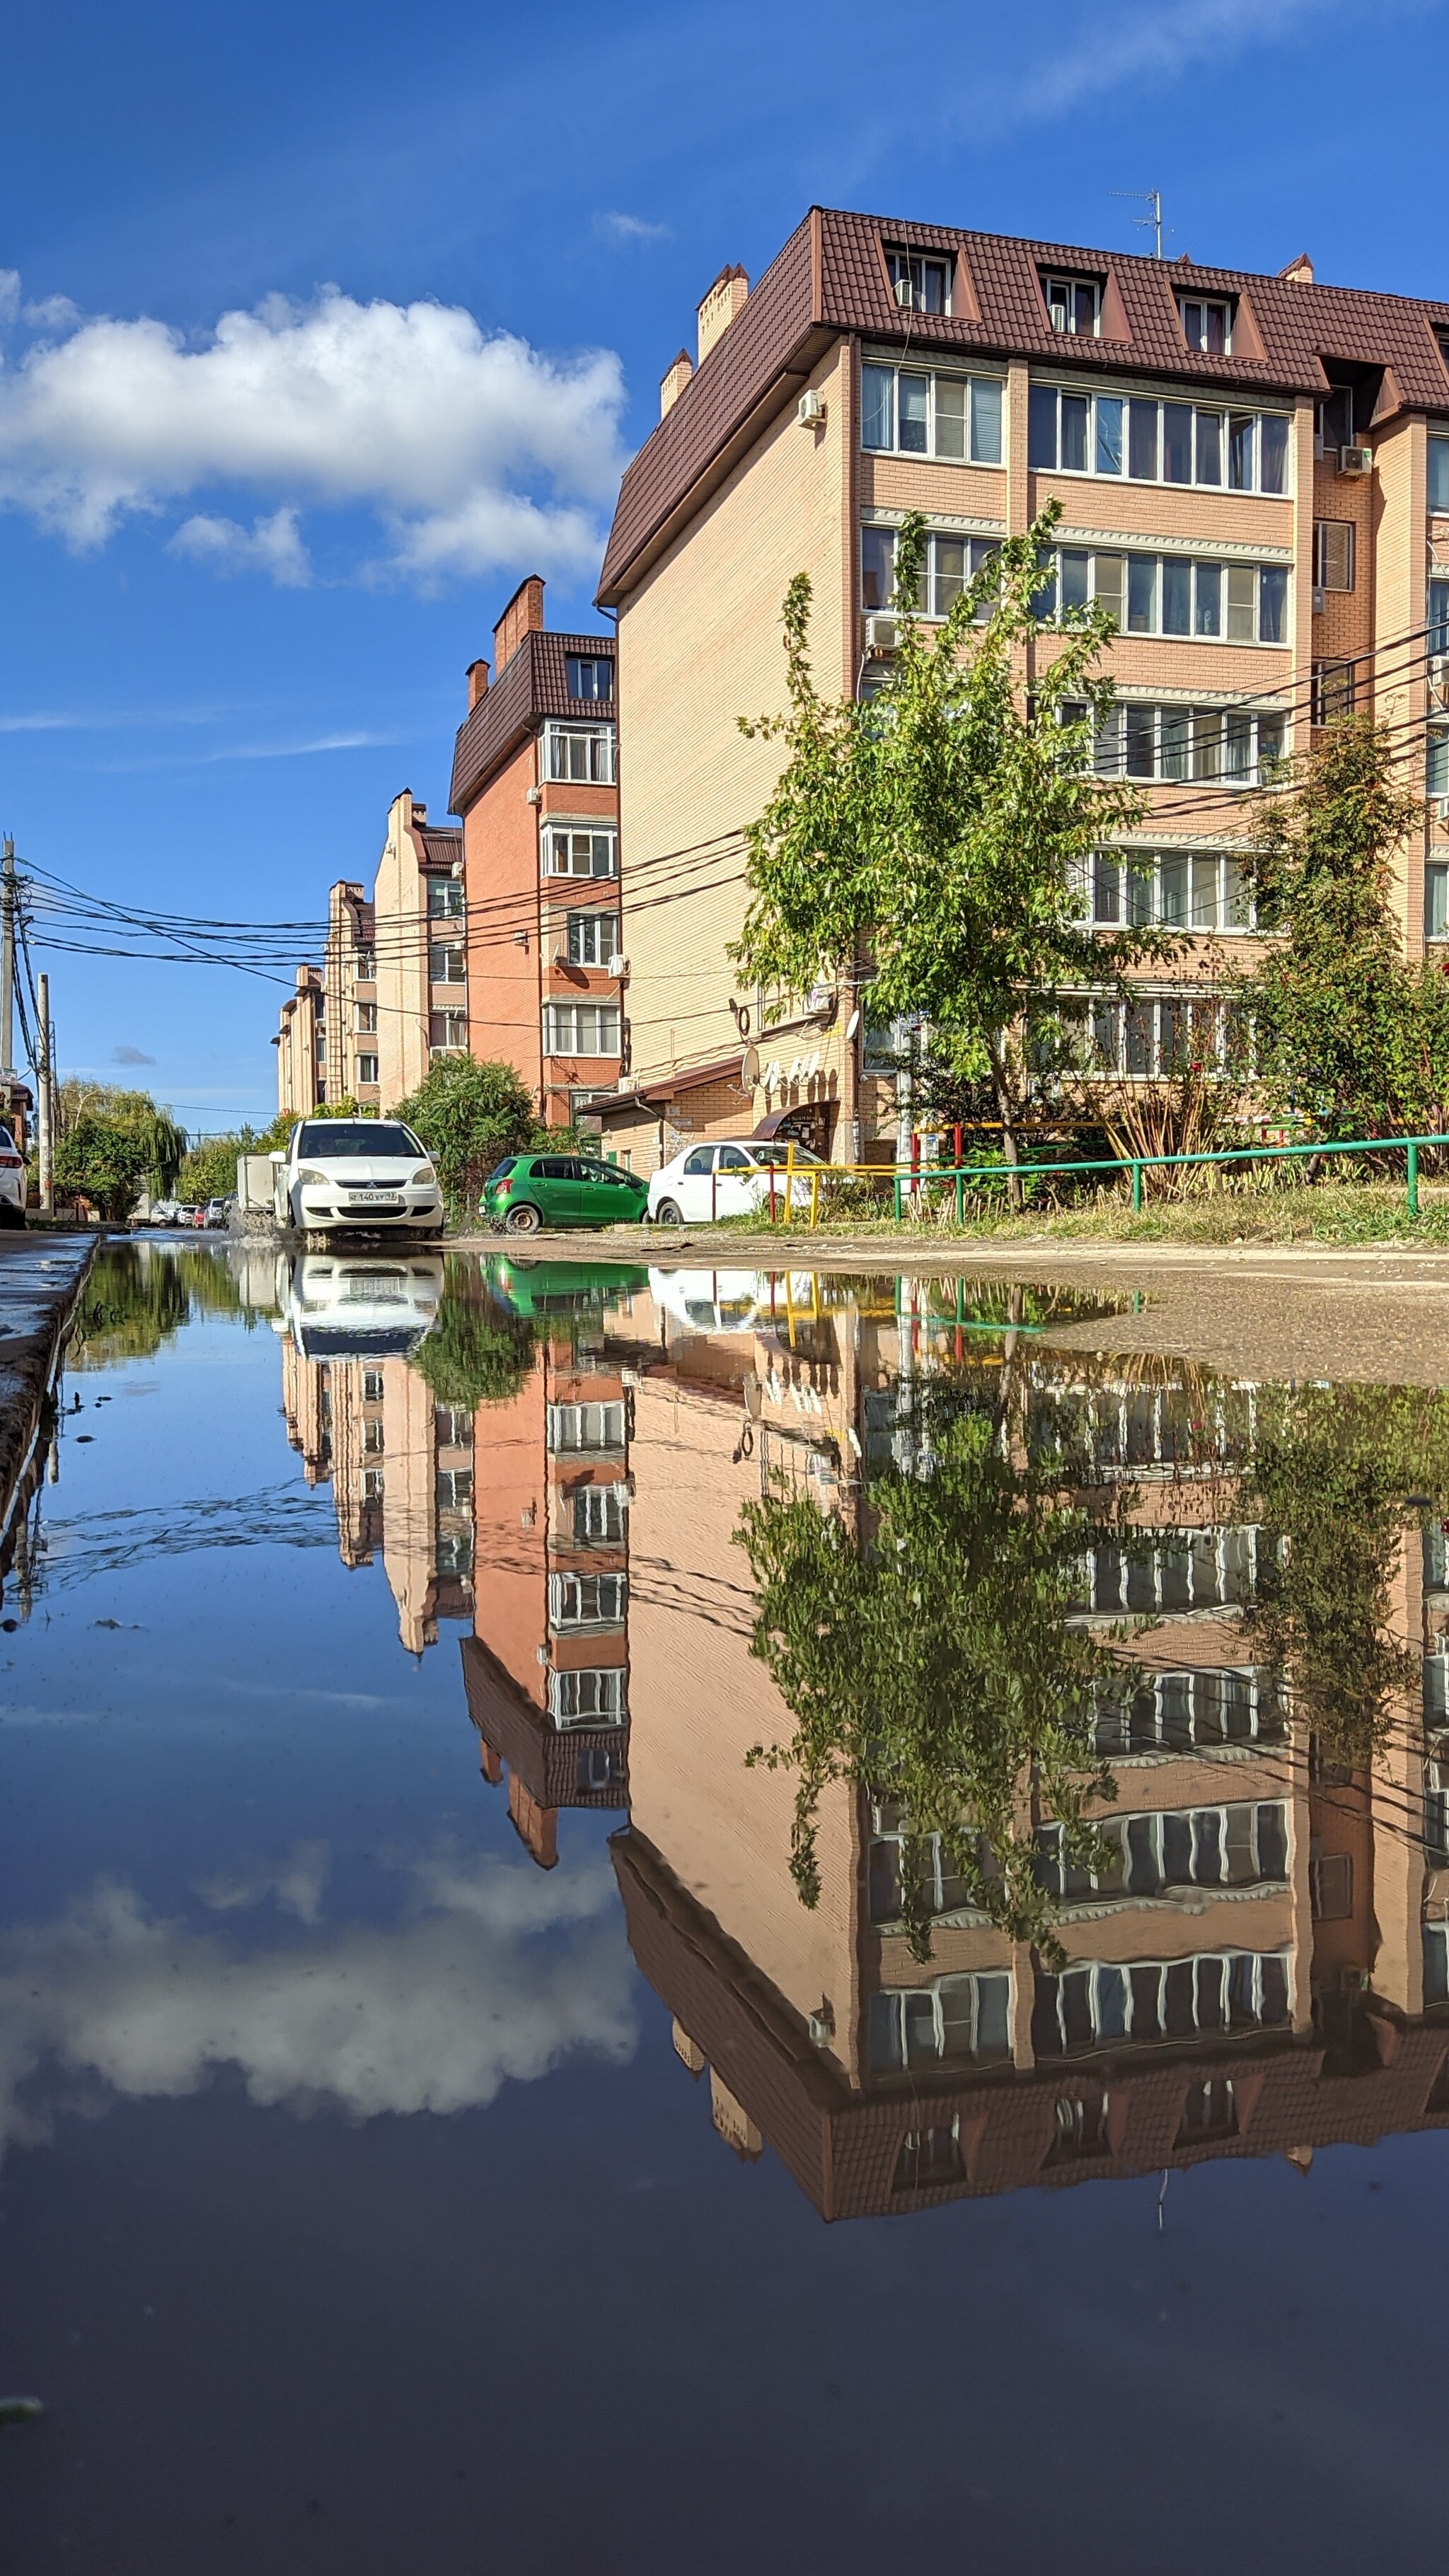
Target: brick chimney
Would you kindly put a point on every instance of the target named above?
(672, 385)
(1299, 271)
(719, 307)
(476, 676)
(523, 616)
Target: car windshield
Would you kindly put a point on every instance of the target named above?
(781, 1154)
(348, 1140)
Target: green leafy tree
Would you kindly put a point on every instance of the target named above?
(1348, 1035)
(944, 828)
(138, 1296)
(110, 1143)
(477, 1352)
(469, 1115)
(937, 1667)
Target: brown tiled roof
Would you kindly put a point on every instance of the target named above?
(546, 1762)
(442, 843)
(831, 278)
(533, 683)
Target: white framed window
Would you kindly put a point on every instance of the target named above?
(1074, 304)
(939, 1888)
(367, 1068)
(601, 1515)
(571, 852)
(950, 563)
(583, 1430)
(593, 938)
(1244, 1844)
(964, 2020)
(372, 1484)
(1436, 1963)
(917, 411)
(447, 962)
(587, 1600)
(1139, 439)
(1192, 1711)
(1149, 2000)
(920, 280)
(1436, 764)
(372, 1386)
(445, 899)
(1208, 601)
(1188, 889)
(454, 1489)
(448, 1032)
(364, 966)
(1207, 323)
(453, 1426)
(590, 675)
(1215, 1569)
(1333, 554)
(1436, 900)
(454, 1552)
(594, 1696)
(580, 1028)
(365, 1020)
(1439, 474)
(579, 752)
(373, 1440)
(1230, 746)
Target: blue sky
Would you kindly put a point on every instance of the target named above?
(328, 324)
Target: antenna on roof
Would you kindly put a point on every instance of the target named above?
(1149, 197)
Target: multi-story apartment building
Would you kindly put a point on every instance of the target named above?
(416, 1007)
(301, 1044)
(546, 1670)
(535, 779)
(1253, 474)
(351, 991)
(1259, 1968)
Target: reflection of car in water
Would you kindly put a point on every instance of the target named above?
(563, 1287)
(722, 1301)
(359, 1305)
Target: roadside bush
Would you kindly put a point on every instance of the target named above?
(469, 1115)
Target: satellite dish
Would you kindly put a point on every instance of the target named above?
(750, 1067)
(852, 1025)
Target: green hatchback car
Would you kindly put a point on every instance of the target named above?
(531, 1191)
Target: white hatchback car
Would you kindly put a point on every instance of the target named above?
(12, 1181)
(729, 1179)
(357, 1176)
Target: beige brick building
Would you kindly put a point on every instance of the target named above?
(301, 1044)
(1254, 476)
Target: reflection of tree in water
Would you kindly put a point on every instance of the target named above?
(139, 1294)
(937, 1665)
(479, 1351)
(1330, 1481)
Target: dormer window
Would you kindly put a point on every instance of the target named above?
(1207, 324)
(1074, 305)
(589, 676)
(920, 284)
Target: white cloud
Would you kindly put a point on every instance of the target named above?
(1137, 45)
(270, 545)
(9, 294)
(53, 313)
(433, 2014)
(130, 1055)
(629, 228)
(471, 450)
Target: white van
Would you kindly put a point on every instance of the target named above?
(357, 1176)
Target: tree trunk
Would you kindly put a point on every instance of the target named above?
(1006, 1112)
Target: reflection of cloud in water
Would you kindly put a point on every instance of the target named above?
(434, 2013)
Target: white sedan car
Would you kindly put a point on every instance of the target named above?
(729, 1179)
(357, 1176)
(12, 1181)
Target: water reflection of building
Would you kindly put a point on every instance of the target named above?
(1259, 1964)
(400, 1464)
(547, 1667)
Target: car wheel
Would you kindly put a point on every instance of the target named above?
(522, 1220)
(667, 1213)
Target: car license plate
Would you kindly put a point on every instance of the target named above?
(374, 1199)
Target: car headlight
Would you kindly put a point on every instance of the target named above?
(423, 1180)
(313, 1180)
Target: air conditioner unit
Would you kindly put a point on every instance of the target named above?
(903, 293)
(1317, 600)
(880, 634)
(810, 409)
(1355, 460)
(618, 967)
(1439, 678)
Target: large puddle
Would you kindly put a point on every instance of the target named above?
(525, 1789)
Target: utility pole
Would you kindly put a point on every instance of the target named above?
(7, 959)
(45, 1070)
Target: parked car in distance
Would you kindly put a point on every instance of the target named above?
(217, 1212)
(731, 1178)
(529, 1191)
(161, 1212)
(12, 1180)
(358, 1176)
